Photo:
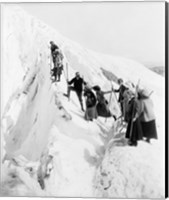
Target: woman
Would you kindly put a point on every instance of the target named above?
(134, 129)
(91, 112)
(102, 105)
(147, 116)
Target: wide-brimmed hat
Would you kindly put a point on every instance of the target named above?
(143, 91)
(130, 86)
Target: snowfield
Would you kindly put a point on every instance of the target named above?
(41, 131)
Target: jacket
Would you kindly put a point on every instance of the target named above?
(121, 90)
(77, 84)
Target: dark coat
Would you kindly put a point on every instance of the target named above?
(90, 98)
(102, 105)
(134, 129)
(53, 48)
(77, 84)
(121, 90)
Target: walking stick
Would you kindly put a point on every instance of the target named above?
(67, 77)
(64, 74)
(132, 115)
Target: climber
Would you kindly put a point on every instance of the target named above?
(78, 83)
(57, 57)
(90, 99)
(102, 105)
(134, 130)
(146, 114)
(53, 47)
(121, 90)
(127, 96)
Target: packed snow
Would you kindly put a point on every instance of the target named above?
(41, 131)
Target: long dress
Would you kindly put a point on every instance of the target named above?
(134, 129)
(91, 112)
(102, 105)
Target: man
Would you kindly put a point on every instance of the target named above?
(121, 91)
(53, 47)
(78, 83)
(57, 57)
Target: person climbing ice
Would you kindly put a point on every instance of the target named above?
(78, 84)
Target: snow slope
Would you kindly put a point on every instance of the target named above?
(39, 122)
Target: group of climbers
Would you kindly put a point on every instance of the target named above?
(140, 117)
(137, 112)
(135, 103)
(95, 102)
(57, 58)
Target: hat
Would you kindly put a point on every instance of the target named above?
(119, 80)
(96, 88)
(130, 86)
(143, 91)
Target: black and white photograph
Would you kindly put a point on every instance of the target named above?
(83, 100)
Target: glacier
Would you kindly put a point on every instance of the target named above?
(39, 126)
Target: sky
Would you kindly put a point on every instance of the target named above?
(130, 29)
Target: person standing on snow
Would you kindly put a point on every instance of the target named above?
(121, 91)
(91, 112)
(147, 116)
(78, 83)
(57, 57)
(142, 118)
(53, 47)
(102, 105)
(134, 130)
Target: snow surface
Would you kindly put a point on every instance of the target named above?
(90, 159)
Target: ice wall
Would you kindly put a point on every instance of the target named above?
(27, 98)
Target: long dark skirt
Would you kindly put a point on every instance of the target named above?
(135, 132)
(91, 113)
(149, 129)
(103, 110)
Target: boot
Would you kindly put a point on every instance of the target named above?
(132, 143)
(147, 140)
